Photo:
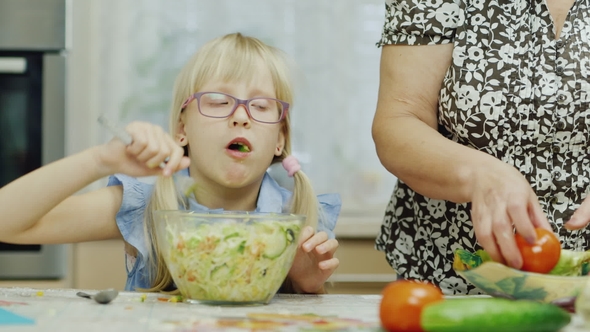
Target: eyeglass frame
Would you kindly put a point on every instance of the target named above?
(197, 96)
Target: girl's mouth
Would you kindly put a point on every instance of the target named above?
(239, 146)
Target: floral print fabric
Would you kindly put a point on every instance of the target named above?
(513, 91)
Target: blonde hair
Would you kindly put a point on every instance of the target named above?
(232, 57)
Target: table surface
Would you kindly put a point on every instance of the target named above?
(62, 310)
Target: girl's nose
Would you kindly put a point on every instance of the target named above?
(240, 117)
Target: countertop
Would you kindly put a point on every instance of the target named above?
(62, 310)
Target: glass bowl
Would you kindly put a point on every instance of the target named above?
(499, 280)
(228, 258)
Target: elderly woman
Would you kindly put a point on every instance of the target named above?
(484, 117)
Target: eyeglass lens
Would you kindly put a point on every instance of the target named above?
(222, 105)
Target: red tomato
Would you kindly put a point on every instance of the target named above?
(542, 256)
(402, 303)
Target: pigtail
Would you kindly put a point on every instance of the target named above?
(164, 197)
(304, 200)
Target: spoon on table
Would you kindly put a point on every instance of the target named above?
(102, 297)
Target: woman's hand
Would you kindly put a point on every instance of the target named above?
(502, 200)
(581, 217)
(314, 262)
(151, 146)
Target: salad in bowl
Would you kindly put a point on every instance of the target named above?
(228, 257)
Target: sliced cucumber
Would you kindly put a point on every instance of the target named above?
(221, 272)
(275, 238)
(276, 244)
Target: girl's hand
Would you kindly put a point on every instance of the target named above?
(314, 262)
(502, 200)
(151, 146)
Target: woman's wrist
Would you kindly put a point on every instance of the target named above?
(469, 175)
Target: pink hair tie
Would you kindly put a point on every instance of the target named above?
(291, 165)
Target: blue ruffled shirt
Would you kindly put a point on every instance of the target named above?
(136, 194)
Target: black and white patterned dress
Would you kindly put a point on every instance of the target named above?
(512, 91)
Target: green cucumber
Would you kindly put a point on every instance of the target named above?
(493, 314)
(274, 238)
(221, 272)
(276, 244)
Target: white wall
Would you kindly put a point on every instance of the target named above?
(83, 105)
(125, 54)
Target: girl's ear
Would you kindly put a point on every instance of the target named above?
(180, 136)
(280, 143)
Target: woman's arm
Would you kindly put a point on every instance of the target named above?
(405, 124)
(409, 146)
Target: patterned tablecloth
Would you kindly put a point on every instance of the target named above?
(26, 309)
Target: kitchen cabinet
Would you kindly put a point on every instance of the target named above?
(99, 265)
(363, 269)
(93, 265)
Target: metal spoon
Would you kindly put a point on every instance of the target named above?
(102, 297)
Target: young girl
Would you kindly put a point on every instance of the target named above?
(229, 122)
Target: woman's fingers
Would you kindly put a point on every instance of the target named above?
(482, 220)
(537, 215)
(502, 201)
(504, 234)
(581, 217)
(496, 236)
(520, 217)
(494, 220)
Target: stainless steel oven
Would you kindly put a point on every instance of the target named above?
(32, 115)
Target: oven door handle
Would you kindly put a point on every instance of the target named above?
(13, 65)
